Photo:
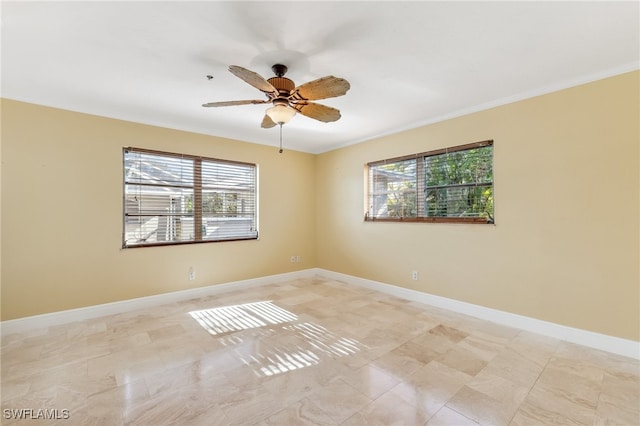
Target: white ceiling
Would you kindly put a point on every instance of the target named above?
(409, 63)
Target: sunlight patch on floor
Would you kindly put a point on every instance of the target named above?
(228, 319)
(310, 342)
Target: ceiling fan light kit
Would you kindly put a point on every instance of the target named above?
(280, 112)
(287, 99)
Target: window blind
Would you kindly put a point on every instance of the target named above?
(176, 199)
(447, 185)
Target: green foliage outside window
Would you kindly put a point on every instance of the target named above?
(460, 184)
(220, 204)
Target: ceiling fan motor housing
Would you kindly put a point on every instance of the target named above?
(282, 84)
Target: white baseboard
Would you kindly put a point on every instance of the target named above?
(624, 347)
(21, 325)
(628, 348)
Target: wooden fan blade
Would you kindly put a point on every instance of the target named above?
(322, 88)
(232, 103)
(318, 112)
(254, 79)
(267, 122)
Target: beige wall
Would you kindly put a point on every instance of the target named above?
(62, 213)
(565, 246)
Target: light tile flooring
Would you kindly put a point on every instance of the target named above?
(309, 351)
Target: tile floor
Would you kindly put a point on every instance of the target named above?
(309, 351)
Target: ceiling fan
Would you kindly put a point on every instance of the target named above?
(287, 99)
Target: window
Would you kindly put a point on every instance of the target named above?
(447, 185)
(179, 199)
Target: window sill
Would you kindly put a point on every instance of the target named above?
(478, 220)
(182, 243)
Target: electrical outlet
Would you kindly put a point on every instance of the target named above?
(192, 274)
(298, 259)
(293, 259)
(414, 275)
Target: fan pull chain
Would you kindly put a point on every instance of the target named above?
(280, 151)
